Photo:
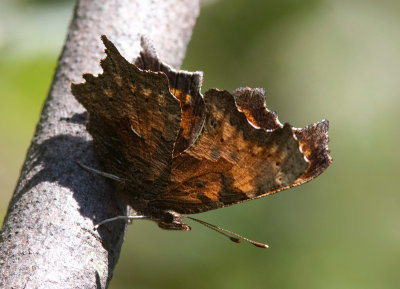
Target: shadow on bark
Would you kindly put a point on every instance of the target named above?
(68, 174)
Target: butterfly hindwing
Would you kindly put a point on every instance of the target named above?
(231, 161)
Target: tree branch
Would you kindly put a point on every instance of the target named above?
(47, 240)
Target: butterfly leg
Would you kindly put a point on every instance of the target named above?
(103, 174)
(128, 218)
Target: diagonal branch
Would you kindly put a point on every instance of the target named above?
(47, 240)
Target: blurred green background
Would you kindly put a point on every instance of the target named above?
(334, 59)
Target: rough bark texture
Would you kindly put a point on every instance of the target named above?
(47, 240)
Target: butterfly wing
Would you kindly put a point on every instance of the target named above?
(146, 126)
(313, 139)
(134, 120)
(139, 117)
(231, 161)
(185, 86)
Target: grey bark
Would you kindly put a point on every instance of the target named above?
(47, 240)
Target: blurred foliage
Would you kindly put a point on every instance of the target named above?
(40, 2)
(24, 85)
(317, 59)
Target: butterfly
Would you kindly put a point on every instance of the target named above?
(175, 152)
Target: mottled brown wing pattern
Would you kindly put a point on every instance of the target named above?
(179, 151)
(134, 121)
(251, 101)
(313, 139)
(185, 86)
(231, 161)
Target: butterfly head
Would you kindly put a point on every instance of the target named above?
(171, 220)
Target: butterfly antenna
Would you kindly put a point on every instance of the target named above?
(119, 218)
(227, 233)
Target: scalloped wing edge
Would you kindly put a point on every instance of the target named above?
(313, 139)
(185, 86)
